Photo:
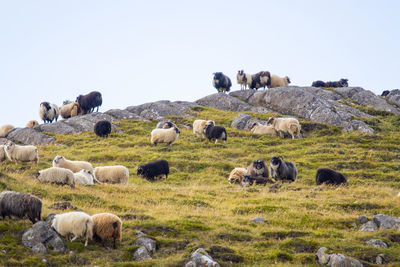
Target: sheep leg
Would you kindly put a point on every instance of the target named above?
(216, 140)
(115, 246)
(74, 238)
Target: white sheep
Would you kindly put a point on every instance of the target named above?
(112, 174)
(74, 166)
(258, 128)
(84, 177)
(198, 126)
(286, 125)
(70, 110)
(5, 129)
(76, 223)
(56, 175)
(3, 155)
(277, 81)
(32, 124)
(236, 175)
(21, 153)
(164, 135)
(244, 79)
(48, 112)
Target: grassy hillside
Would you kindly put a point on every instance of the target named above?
(196, 207)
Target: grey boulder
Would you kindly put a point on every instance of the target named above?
(336, 260)
(200, 258)
(40, 236)
(369, 226)
(141, 254)
(148, 243)
(394, 97)
(163, 108)
(386, 222)
(29, 136)
(124, 114)
(377, 243)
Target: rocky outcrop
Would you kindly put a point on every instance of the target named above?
(335, 260)
(157, 110)
(41, 237)
(394, 97)
(146, 249)
(29, 136)
(377, 243)
(386, 222)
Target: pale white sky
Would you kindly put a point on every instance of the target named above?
(140, 51)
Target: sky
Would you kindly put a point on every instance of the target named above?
(135, 52)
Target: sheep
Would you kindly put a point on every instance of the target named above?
(198, 126)
(76, 223)
(277, 81)
(168, 136)
(244, 79)
(258, 128)
(70, 110)
(260, 79)
(215, 132)
(3, 154)
(341, 83)
(48, 112)
(90, 101)
(330, 177)
(236, 175)
(74, 166)
(221, 82)
(385, 93)
(283, 170)
(102, 128)
(5, 129)
(154, 169)
(286, 125)
(258, 169)
(164, 125)
(117, 174)
(107, 226)
(84, 177)
(21, 153)
(56, 175)
(32, 124)
(20, 205)
(248, 180)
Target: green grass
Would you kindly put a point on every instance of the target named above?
(197, 207)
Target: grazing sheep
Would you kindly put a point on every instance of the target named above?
(283, 170)
(164, 125)
(198, 126)
(286, 125)
(249, 180)
(330, 177)
(84, 177)
(21, 153)
(32, 124)
(48, 112)
(258, 128)
(215, 132)
(76, 223)
(56, 175)
(168, 136)
(341, 83)
(102, 128)
(20, 205)
(260, 79)
(3, 155)
(90, 101)
(117, 174)
(107, 226)
(236, 175)
(154, 169)
(222, 82)
(277, 81)
(70, 110)
(74, 166)
(258, 169)
(5, 129)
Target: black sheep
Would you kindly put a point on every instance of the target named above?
(222, 82)
(102, 128)
(215, 132)
(20, 205)
(341, 83)
(330, 177)
(248, 180)
(385, 93)
(154, 169)
(256, 81)
(283, 170)
(90, 101)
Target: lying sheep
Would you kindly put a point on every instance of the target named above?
(168, 136)
(283, 170)
(21, 153)
(102, 128)
(5, 129)
(74, 166)
(154, 169)
(222, 82)
(330, 177)
(56, 175)
(258, 169)
(48, 112)
(215, 132)
(340, 83)
(164, 125)
(277, 81)
(32, 124)
(107, 226)
(258, 128)
(236, 175)
(112, 174)
(76, 223)
(70, 110)
(198, 126)
(90, 101)
(286, 125)
(260, 79)
(3, 154)
(20, 205)
(84, 177)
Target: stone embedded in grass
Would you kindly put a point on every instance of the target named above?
(335, 259)
(201, 258)
(362, 219)
(377, 243)
(386, 222)
(141, 254)
(369, 226)
(62, 205)
(259, 220)
(148, 243)
(40, 236)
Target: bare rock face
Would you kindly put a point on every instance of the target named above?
(163, 108)
(386, 222)
(224, 102)
(394, 97)
(29, 136)
(124, 114)
(40, 237)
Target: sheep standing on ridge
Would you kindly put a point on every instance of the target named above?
(286, 125)
(283, 170)
(90, 101)
(260, 79)
(74, 166)
(5, 129)
(236, 175)
(70, 110)
(330, 177)
(107, 226)
(215, 132)
(244, 79)
(168, 136)
(21, 153)
(258, 128)
(20, 205)
(222, 82)
(102, 128)
(48, 112)
(32, 124)
(117, 174)
(76, 223)
(154, 169)
(198, 126)
(56, 175)
(277, 81)
(340, 83)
